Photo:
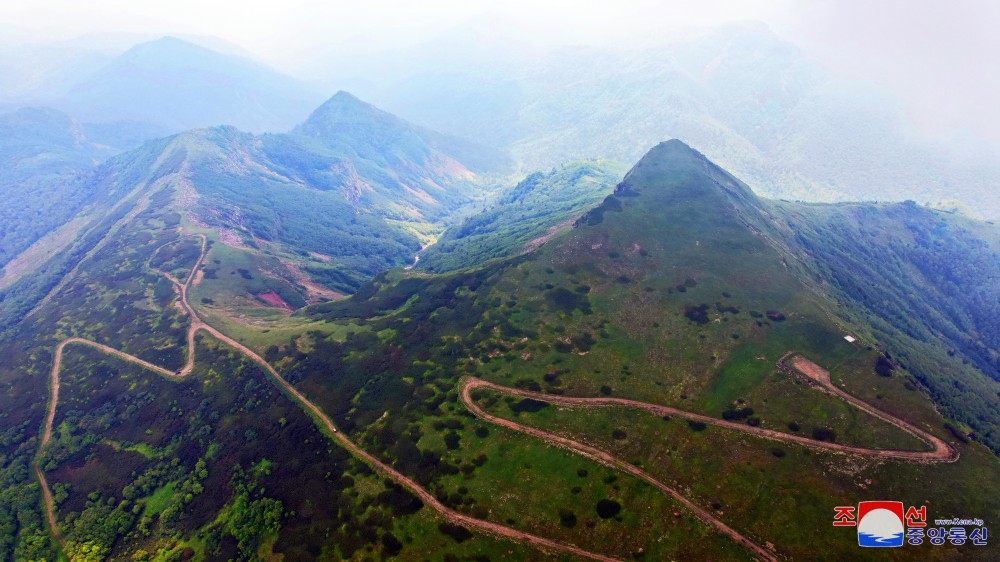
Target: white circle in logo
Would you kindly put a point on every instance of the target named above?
(881, 524)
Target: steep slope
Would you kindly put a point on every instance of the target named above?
(682, 289)
(376, 159)
(352, 192)
(926, 284)
(43, 154)
(530, 213)
(178, 85)
(346, 123)
(706, 403)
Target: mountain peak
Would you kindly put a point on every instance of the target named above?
(666, 160)
(673, 184)
(672, 149)
(166, 46)
(344, 108)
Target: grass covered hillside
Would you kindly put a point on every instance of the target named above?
(526, 216)
(353, 191)
(680, 289)
(476, 414)
(926, 284)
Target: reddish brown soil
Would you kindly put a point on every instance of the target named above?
(273, 299)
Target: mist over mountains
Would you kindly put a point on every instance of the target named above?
(480, 300)
(172, 83)
(751, 101)
(738, 92)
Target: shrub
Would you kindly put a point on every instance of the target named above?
(884, 367)
(696, 425)
(737, 414)
(697, 314)
(391, 544)
(457, 532)
(824, 434)
(567, 518)
(608, 508)
(529, 405)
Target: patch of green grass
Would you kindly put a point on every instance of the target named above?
(159, 500)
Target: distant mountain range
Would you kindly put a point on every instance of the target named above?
(178, 85)
(752, 102)
(172, 83)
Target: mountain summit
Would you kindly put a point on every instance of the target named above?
(341, 110)
(674, 163)
(347, 123)
(179, 85)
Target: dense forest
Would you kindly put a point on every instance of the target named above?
(922, 277)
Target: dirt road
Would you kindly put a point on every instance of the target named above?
(940, 451)
(312, 409)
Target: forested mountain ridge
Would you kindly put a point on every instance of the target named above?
(43, 156)
(681, 289)
(523, 217)
(351, 192)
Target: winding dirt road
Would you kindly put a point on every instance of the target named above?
(312, 409)
(940, 451)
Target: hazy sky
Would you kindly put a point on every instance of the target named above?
(939, 56)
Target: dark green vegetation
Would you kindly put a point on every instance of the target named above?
(681, 288)
(120, 187)
(928, 285)
(219, 465)
(353, 185)
(353, 191)
(45, 157)
(524, 217)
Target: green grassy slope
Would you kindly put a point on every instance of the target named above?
(352, 192)
(927, 283)
(536, 208)
(680, 289)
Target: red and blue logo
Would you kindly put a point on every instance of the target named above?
(880, 524)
